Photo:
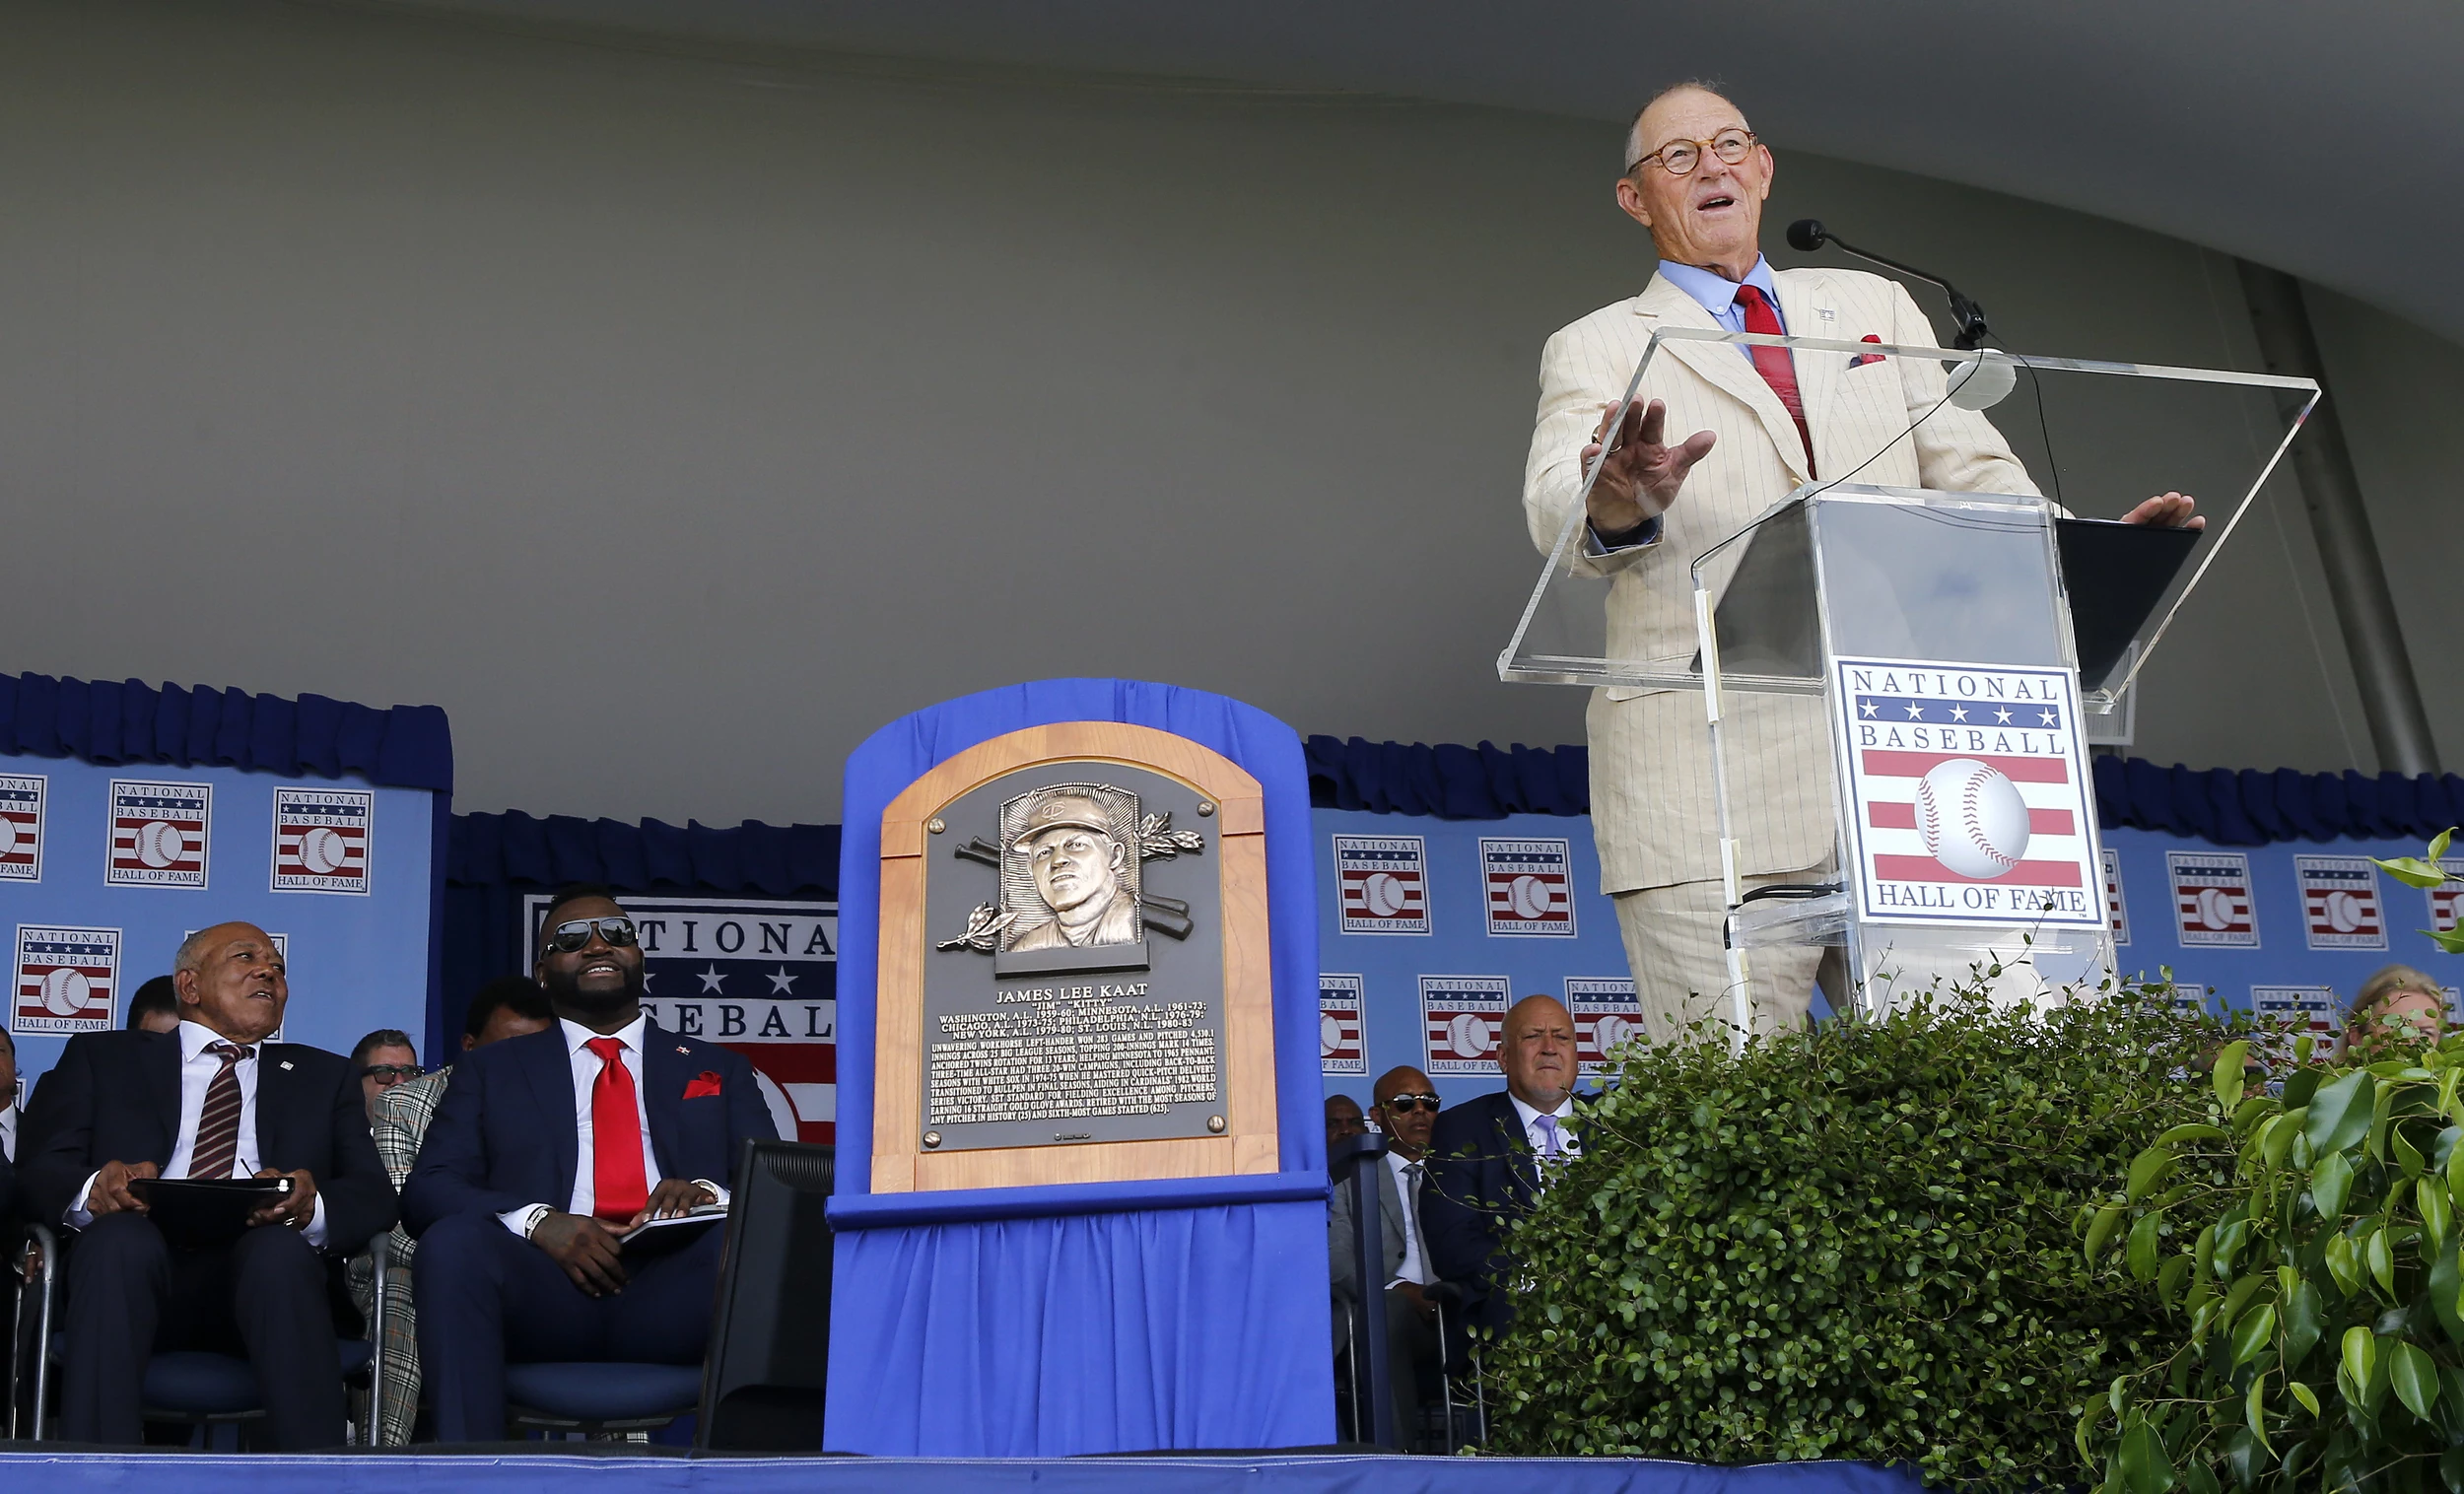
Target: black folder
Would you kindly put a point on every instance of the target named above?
(663, 1237)
(2116, 573)
(205, 1214)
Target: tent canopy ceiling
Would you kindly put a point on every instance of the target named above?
(2310, 138)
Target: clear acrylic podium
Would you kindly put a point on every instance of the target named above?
(1960, 647)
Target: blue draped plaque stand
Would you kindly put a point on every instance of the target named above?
(1084, 1318)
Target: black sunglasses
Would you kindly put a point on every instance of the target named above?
(392, 1073)
(615, 930)
(1405, 1104)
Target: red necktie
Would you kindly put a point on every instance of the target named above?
(619, 1185)
(1777, 369)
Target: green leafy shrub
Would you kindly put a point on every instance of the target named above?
(2307, 1245)
(1857, 1242)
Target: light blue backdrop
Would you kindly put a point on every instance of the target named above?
(357, 963)
(1459, 943)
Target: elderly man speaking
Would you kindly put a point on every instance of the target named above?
(1763, 421)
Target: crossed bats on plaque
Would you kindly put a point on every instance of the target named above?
(1069, 875)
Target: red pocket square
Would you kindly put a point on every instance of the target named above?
(1861, 359)
(704, 1085)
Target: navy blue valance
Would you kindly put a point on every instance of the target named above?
(2249, 807)
(111, 721)
(492, 850)
(2223, 805)
(1451, 782)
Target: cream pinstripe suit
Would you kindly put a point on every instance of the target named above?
(1653, 809)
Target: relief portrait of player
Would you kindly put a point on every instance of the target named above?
(1080, 870)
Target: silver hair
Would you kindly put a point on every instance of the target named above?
(1634, 128)
(191, 954)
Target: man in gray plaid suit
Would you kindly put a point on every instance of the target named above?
(510, 1006)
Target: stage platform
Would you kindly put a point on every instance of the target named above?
(1288, 1474)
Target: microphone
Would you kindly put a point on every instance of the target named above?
(1807, 235)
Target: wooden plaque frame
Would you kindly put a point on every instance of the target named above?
(1248, 1144)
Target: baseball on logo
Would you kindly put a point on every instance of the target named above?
(1972, 818)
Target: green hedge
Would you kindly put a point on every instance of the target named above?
(1858, 1242)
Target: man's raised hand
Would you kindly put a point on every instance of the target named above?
(1643, 473)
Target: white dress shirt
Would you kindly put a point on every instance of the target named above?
(8, 1133)
(585, 1070)
(1564, 1113)
(1414, 1267)
(197, 1069)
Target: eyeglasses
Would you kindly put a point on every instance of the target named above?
(617, 932)
(1678, 157)
(1405, 1104)
(387, 1075)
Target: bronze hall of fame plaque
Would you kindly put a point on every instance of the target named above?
(1076, 982)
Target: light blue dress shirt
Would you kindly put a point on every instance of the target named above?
(1717, 294)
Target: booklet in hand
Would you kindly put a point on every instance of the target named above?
(662, 1237)
(205, 1214)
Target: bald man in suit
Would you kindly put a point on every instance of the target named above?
(1763, 423)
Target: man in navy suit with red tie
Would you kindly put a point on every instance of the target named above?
(543, 1152)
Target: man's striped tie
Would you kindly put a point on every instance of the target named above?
(218, 1124)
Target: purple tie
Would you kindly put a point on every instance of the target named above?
(1549, 1146)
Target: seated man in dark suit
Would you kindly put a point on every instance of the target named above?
(1491, 1156)
(211, 1099)
(543, 1151)
(1405, 1111)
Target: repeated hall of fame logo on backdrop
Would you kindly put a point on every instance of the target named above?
(1383, 883)
(161, 834)
(758, 977)
(1605, 1013)
(2340, 903)
(21, 827)
(1341, 1049)
(1464, 1020)
(2213, 903)
(322, 840)
(67, 979)
(1530, 888)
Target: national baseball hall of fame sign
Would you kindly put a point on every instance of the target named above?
(757, 976)
(1075, 983)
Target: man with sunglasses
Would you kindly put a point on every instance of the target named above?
(1404, 1107)
(545, 1150)
(1763, 422)
(382, 1060)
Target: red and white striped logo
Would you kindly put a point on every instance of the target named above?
(2116, 911)
(1531, 890)
(1340, 1050)
(2446, 901)
(161, 834)
(1384, 883)
(21, 828)
(2213, 905)
(1605, 1013)
(1465, 1019)
(1971, 803)
(2340, 903)
(322, 840)
(66, 979)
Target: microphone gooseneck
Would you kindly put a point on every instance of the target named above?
(1806, 235)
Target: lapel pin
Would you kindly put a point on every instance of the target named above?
(1822, 311)
(680, 1047)
(286, 1062)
